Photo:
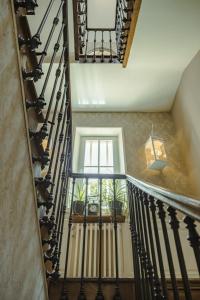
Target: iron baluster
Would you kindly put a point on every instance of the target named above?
(157, 287)
(117, 295)
(82, 295)
(99, 295)
(150, 271)
(35, 41)
(134, 242)
(62, 215)
(57, 75)
(55, 23)
(58, 97)
(159, 252)
(41, 97)
(110, 40)
(60, 179)
(102, 46)
(141, 246)
(95, 40)
(64, 292)
(57, 139)
(86, 46)
(175, 227)
(162, 214)
(194, 239)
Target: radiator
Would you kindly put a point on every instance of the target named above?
(91, 259)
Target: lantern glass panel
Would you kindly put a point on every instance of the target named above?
(159, 149)
(155, 153)
(150, 157)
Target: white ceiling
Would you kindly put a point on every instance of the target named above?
(167, 37)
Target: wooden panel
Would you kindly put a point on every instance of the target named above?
(131, 34)
(126, 289)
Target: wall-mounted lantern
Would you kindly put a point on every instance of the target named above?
(155, 153)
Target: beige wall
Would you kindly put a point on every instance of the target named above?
(186, 113)
(136, 130)
(22, 273)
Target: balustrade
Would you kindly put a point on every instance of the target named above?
(50, 139)
(102, 45)
(156, 265)
(99, 196)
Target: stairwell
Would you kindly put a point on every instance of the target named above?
(48, 250)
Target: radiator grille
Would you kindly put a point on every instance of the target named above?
(91, 261)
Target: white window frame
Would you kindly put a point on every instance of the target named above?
(116, 160)
(105, 132)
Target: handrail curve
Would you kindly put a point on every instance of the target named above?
(187, 205)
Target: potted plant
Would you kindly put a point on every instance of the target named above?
(119, 203)
(79, 198)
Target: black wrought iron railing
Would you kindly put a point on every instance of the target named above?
(160, 252)
(158, 247)
(44, 51)
(103, 45)
(109, 191)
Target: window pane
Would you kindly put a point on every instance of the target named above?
(91, 170)
(103, 156)
(110, 153)
(106, 170)
(87, 153)
(106, 153)
(91, 153)
(94, 153)
(93, 188)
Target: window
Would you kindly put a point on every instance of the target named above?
(99, 155)
(98, 150)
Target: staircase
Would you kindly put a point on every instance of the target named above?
(85, 252)
(100, 44)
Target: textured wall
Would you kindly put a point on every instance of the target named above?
(136, 130)
(21, 268)
(186, 115)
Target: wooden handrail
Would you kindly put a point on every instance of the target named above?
(134, 18)
(186, 205)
